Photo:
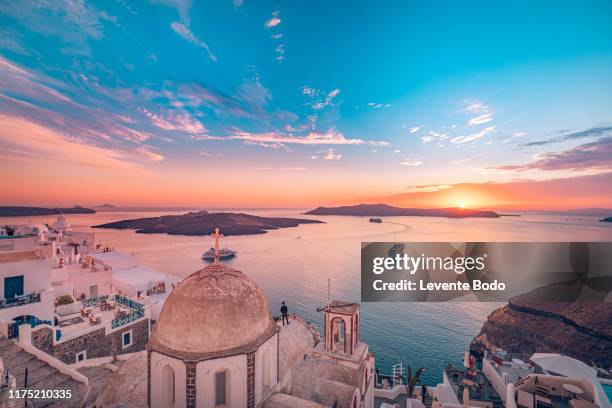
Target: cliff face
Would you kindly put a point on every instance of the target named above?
(579, 330)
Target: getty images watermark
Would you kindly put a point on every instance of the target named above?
(486, 271)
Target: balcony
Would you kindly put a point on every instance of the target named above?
(20, 300)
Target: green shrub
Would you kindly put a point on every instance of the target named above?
(64, 300)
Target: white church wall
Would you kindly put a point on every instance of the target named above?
(269, 351)
(158, 399)
(205, 381)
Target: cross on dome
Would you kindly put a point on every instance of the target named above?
(216, 235)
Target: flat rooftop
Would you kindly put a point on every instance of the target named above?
(10, 257)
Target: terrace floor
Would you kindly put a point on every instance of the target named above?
(81, 324)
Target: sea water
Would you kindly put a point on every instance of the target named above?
(294, 265)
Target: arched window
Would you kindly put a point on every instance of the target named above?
(168, 386)
(222, 389)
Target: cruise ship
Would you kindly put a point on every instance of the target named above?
(224, 253)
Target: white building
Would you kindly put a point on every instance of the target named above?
(25, 289)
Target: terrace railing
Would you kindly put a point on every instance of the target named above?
(127, 302)
(92, 302)
(138, 311)
(123, 320)
(20, 300)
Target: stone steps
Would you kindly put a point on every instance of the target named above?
(41, 376)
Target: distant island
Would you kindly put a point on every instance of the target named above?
(106, 206)
(607, 219)
(203, 223)
(383, 210)
(6, 211)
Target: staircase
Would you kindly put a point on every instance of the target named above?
(41, 376)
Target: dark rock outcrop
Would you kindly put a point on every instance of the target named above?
(582, 330)
(14, 211)
(383, 210)
(203, 223)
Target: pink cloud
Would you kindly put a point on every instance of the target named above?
(331, 137)
(176, 121)
(24, 140)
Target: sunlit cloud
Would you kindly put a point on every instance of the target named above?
(25, 140)
(591, 157)
(332, 155)
(473, 137)
(479, 120)
(176, 121)
(274, 21)
(330, 137)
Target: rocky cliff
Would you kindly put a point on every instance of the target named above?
(523, 326)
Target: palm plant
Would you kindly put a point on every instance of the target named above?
(75, 246)
(412, 381)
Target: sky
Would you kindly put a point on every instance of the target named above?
(243, 103)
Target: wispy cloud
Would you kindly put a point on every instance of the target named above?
(411, 162)
(332, 155)
(280, 52)
(483, 112)
(428, 188)
(376, 105)
(593, 157)
(281, 168)
(25, 140)
(184, 31)
(481, 119)
(176, 121)
(434, 136)
(74, 22)
(327, 101)
(331, 137)
(592, 132)
(415, 129)
(473, 137)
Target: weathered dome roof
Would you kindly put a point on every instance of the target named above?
(211, 312)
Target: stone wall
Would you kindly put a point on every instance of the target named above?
(190, 366)
(98, 344)
(42, 338)
(251, 380)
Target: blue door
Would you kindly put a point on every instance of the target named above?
(13, 286)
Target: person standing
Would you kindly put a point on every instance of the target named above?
(285, 312)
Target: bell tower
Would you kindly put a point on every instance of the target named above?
(341, 327)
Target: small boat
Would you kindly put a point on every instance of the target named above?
(396, 249)
(376, 220)
(224, 253)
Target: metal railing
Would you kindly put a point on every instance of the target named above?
(92, 302)
(123, 320)
(20, 300)
(127, 302)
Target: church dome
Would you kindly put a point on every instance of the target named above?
(211, 312)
